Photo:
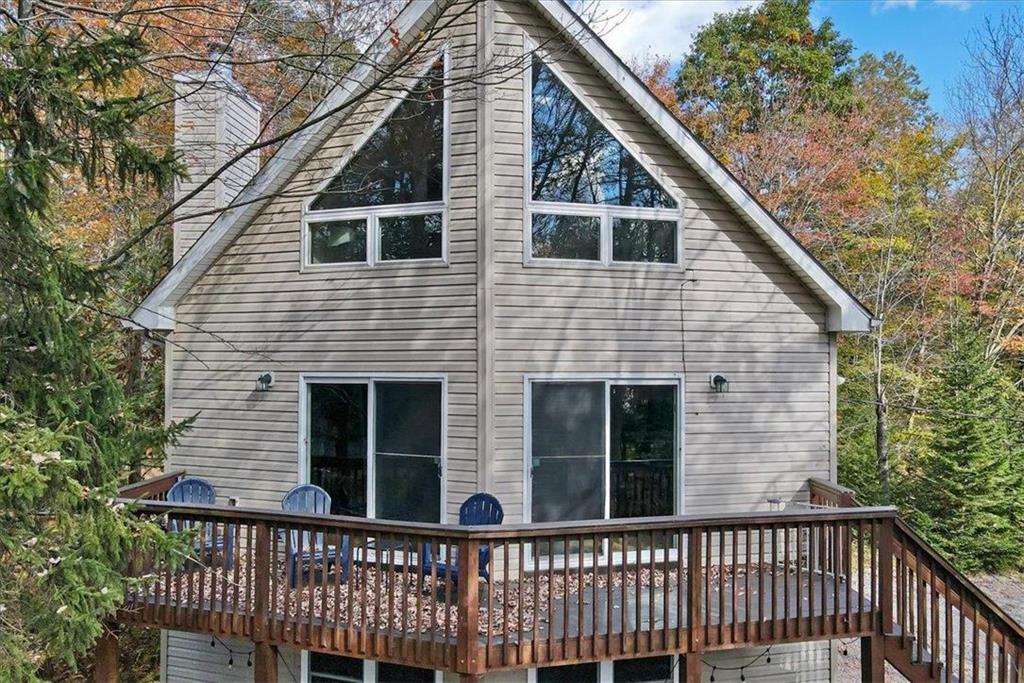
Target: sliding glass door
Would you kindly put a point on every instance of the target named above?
(376, 446)
(603, 448)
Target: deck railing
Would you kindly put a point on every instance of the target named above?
(940, 624)
(557, 593)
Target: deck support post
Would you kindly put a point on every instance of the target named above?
(467, 646)
(693, 668)
(104, 668)
(265, 663)
(694, 595)
(872, 659)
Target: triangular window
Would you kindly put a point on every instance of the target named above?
(576, 159)
(403, 160)
(387, 201)
(591, 199)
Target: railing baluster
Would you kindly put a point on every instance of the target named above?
(505, 580)
(579, 597)
(799, 578)
(721, 584)
(520, 599)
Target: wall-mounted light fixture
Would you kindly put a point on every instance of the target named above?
(718, 383)
(264, 381)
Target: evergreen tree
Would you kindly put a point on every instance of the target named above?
(966, 497)
(67, 429)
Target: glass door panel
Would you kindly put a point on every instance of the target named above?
(337, 445)
(567, 448)
(642, 449)
(407, 451)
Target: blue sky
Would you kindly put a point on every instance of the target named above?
(929, 33)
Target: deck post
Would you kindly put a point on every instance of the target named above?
(872, 658)
(885, 578)
(261, 560)
(693, 668)
(265, 663)
(467, 646)
(694, 575)
(105, 657)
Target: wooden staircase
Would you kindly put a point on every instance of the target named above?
(936, 624)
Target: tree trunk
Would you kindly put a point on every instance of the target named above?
(881, 422)
(133, 352)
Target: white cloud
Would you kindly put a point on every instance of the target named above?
(634, 28)
(885, 5)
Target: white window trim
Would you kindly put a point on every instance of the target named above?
(605, 212)
(369, 670)
(373, 213)
(307, 379)
(606, 671)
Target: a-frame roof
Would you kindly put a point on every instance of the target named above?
(845, 312)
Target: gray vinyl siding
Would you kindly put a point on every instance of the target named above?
(744, 314)
(256, 309)
(191, 659)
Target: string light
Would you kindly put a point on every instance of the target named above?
(742, 669)
(232, 652)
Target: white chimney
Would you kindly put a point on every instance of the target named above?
(214, 119)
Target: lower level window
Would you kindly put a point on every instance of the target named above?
(325, 668)
(602, 448)
(645, 670)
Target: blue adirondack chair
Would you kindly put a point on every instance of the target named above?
(479, 509)
(196, 491)
(312, 500)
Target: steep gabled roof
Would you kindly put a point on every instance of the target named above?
(845, 312)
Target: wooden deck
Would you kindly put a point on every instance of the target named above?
(561, 593)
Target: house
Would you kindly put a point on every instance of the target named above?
(513, 271)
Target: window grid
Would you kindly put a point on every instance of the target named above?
(372, 215)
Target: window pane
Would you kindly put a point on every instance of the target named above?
(646, 670)
(577, 673)
(408, 488)
(567, 237)
(643, 447)
(337, 445)
(333, 668)
(410, 237)
(567, 438)
(396, 673)
(567, 418)
(576, 159)
(403, 161)
(409, 418)
(338, 241)
(638, 239)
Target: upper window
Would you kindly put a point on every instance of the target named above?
(591, 200)
(387, 203)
